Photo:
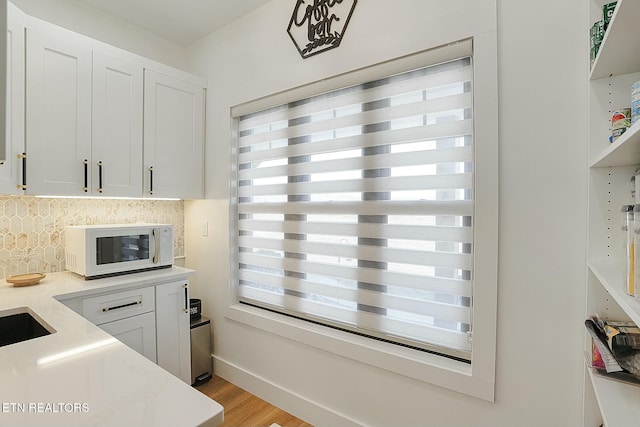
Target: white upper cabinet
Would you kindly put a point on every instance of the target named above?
(11, 169)
(98, 121)
(116, 157)
(58, 86)
(84, 120)
(173, 137)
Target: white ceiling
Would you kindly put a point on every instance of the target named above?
(181, 21)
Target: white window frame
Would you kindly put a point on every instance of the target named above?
(477, 378)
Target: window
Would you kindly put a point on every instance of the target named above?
(356, 207)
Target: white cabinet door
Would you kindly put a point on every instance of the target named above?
(137, 332)
(58, 117)
(172, 329)
(173, 137)
(11, 178)
(116, 157)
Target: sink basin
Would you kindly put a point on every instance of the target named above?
(21, 324)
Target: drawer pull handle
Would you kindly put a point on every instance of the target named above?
(186, 298)
(121, 306)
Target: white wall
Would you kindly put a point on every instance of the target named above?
(542, 54)
(87, 20)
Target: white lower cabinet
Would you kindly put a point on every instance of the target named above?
(137, 332)
(153, 320)
(127, 315)
(172, 329)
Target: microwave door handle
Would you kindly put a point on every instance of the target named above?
(156, 240)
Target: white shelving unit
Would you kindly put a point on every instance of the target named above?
(611, 166)
(618, 400)
(625, 151)
(610, 276)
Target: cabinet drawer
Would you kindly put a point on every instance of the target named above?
(120, 305)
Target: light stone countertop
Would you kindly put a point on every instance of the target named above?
(80, 375)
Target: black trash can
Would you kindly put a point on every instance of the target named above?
(195, 308)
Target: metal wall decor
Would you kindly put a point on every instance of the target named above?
(319, 25)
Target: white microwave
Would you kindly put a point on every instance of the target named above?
(95, 251)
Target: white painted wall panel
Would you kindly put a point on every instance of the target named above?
(542, 65)
(94, 23)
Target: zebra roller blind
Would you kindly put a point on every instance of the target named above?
(355, 208)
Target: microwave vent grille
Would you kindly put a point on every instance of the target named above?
(71, 260)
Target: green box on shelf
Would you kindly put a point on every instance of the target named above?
(596, 33)
(607, 13)
(594, 53)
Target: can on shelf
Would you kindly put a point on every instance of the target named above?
(620, 121)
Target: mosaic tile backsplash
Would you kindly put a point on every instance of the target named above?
(32, 229)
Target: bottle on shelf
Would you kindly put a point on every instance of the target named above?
(628, 230)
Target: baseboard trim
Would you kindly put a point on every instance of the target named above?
(296, 405)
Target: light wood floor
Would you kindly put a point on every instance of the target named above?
(243, 409)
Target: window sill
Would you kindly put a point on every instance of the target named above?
(429, 368)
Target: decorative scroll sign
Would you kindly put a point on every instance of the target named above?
(319, 25)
